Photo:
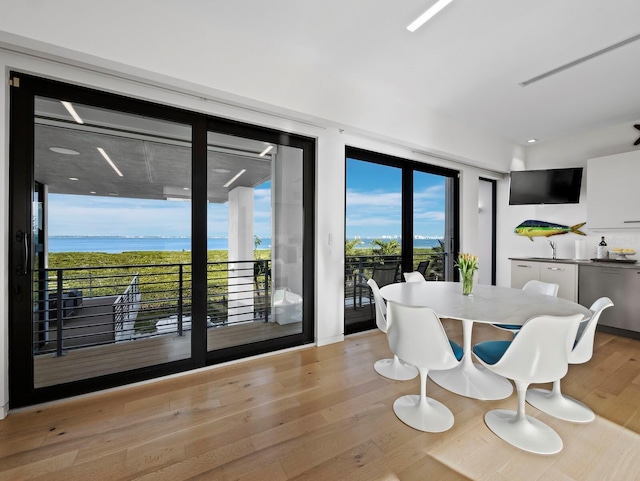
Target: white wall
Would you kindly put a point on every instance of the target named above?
(375, 127)
(569, 152)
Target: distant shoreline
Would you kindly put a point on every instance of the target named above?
(120, 244)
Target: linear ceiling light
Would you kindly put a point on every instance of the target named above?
(580, 60)
(235, 177)
(106, 157)
(422, 19)
(72, 111)
(266, 151)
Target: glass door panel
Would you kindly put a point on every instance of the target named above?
(429, 225)
(373, 236)
(255, 241)
(112, 282)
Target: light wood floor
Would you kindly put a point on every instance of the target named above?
(319, 414)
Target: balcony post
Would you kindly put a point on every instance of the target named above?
(180, 301)
(59, 314)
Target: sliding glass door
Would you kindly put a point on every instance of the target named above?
(255, 241)
(113, 249)
(148, 240)
(373, 236)
(400, 216)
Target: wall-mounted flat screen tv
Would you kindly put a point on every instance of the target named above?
(550, 186)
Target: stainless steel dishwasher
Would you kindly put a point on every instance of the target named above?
(621, 285)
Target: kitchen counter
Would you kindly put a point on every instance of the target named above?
(585, 281)
(588, 262)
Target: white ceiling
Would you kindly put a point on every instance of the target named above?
(465, 64)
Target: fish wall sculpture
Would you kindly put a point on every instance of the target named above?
(538, 228)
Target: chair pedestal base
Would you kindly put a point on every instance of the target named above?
(528, 433)
(473, 380)
(560, 406)
(395, 369)
(429, 415)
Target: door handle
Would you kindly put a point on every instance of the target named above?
(23, 239)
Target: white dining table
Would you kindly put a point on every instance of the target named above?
(488, 304)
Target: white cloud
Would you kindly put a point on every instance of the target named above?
(431, 215)
(373, 199)
(372, 221)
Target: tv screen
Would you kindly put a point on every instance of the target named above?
(551, 186)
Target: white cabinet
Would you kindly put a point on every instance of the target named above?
(613, 197)
(565, 275)
(523, 271)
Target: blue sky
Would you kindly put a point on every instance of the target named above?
(113, 216)
(373, 209)
(374, 201)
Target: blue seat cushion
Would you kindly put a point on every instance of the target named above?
(457, 349)
(512, 327)
(491, 351)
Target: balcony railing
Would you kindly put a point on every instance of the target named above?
(358, 268)
(363, 264)
(90, 306)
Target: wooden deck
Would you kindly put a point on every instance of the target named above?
(85, 363)
(88, 362)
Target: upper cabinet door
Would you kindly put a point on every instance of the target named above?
(613, 197)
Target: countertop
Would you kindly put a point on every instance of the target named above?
(586, 263)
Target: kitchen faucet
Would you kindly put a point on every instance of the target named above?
(553, 247)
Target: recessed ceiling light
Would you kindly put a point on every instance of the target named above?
(73, 178)
(179, 199)
(108, 159)
(63, 151)
(185, 188)
(113, 193)
(72, 111)
(235, 177)
(531, 141)
(92, 192)
(422, 19)
(266, 151)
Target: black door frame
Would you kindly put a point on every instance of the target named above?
(21, 186)
(494, 225)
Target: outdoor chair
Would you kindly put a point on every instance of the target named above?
(383, 274)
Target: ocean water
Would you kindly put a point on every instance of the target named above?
(117, 244)
(365, 243)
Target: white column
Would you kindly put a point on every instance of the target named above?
(240, 307)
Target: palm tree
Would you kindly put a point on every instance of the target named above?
(386, 248)
(350, 246)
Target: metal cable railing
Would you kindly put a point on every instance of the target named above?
(89, 306)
